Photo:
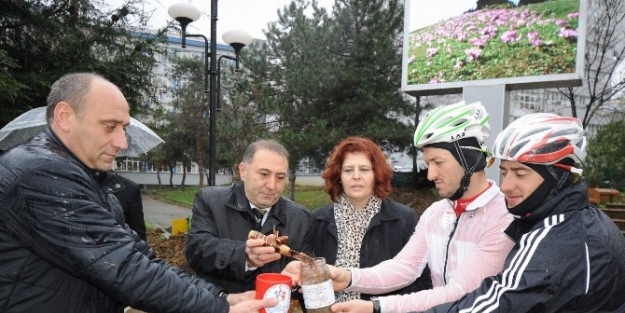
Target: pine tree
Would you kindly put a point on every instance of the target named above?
(366, 99)
(290, 76)
(322, 78)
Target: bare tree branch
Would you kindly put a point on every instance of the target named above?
(605, 50)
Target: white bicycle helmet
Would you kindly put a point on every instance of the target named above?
(542, 138)
(453, 122)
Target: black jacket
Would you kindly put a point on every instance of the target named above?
(64, 246)
(222, 219)
(128, 193)
(573, 261)
(388, 232)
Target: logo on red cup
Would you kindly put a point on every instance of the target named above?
(277, 286)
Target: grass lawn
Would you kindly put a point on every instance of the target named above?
(308, 196)
(149, 225)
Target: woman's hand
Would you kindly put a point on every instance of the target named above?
(293, 270)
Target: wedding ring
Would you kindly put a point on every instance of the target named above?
(258, 257)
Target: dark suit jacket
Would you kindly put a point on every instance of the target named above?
(388, 232)
(222, 219)
(128, 194)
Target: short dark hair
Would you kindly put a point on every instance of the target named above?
(71, 88)
(264, 144)
(382, 171)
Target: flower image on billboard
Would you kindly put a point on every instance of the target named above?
(511, 43)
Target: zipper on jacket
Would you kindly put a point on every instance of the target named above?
(451, 235)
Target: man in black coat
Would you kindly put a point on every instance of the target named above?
(217, 247)
(63, 246)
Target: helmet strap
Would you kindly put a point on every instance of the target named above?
(468, 172)
(473, 155)
(464, 186)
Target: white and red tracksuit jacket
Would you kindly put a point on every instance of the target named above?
(460, 252)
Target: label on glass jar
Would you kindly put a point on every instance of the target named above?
(318, 295)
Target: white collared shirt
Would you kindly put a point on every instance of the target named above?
(248, 267)
(264, 216)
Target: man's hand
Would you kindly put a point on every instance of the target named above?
(235, 298)
(353, 306)
(259, 255)
(252, 306)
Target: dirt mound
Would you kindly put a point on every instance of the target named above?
(418, 199)
(172, 249)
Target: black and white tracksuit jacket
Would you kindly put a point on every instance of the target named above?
(571, 261)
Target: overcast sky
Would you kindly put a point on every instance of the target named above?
(251, 16)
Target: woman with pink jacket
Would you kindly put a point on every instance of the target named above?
(461, 238)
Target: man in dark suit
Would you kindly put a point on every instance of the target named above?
(128, 194)
(217, 247)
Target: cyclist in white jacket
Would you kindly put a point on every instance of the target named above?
(461, 237)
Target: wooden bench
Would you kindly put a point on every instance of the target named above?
(616, 212)
(602, 195)
(615, 206)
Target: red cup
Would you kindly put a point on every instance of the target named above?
(278, 286)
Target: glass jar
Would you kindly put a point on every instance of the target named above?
(317, 286)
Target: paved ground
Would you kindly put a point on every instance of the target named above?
(162, 213)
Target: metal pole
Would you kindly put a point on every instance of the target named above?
(219, 76)
(213, 96)
(415, 178)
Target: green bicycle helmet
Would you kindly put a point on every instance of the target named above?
(462, 129)
(449, 123)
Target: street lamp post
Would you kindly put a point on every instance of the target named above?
(186, 13)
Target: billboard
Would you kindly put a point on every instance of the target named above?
(452, 44)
